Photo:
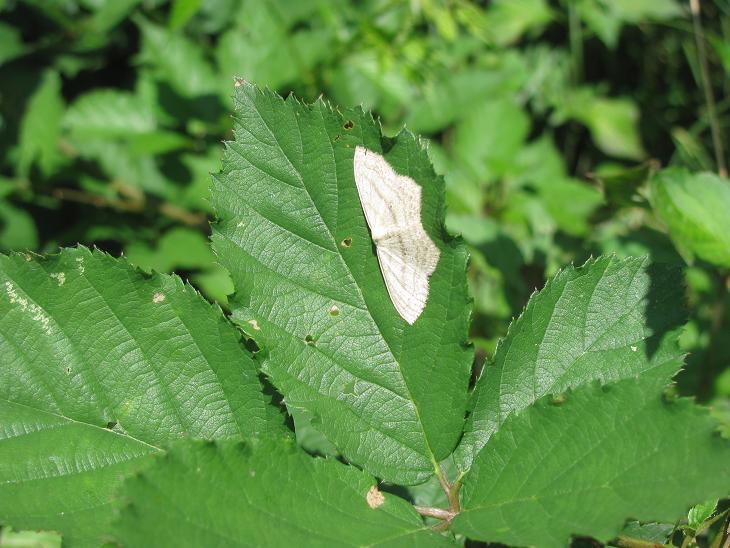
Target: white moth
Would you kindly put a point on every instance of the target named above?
(392, 206)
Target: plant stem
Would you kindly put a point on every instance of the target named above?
(707, 88)
(452, 493)
(438, 513)
(627, 542)
(575, 36)
(723, 534)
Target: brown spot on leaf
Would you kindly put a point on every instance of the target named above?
(374, 497)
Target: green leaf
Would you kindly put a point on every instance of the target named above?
(125, 168)
(450, 96)
(635, 11)
(570, 203)
(695, 209)
(215, 283)
(620, 185)
(41, 127)
(614, 126)
(11, 43)
(489, 140)
(582, 467)
(612, 121)
(107, 113)
(699, 513)
(262, 493)
(507, 20)
(263, 47)
(605, 17)
(179, 247)
(107, 16)
(17, 228)
(177, 61)
(605, 321)
(309, 289)
(651, 532)
(181, 12)
(100, 366)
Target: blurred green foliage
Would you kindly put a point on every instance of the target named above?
(548, 119)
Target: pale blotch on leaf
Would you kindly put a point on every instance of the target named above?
(334, 310)
(374, 497)
(634, 348)
(240, 224)
(158, 297)
(60, 277)
(254, 324)
(238, 82)
(36, 311)
(80, 260)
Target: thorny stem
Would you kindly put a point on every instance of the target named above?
(707, 88)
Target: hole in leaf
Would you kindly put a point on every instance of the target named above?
(349, 125)
(310, 340)
(110, 425)
(347, 242)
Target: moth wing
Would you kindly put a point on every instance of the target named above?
(392, 207)
(406, 285)
(390, 201)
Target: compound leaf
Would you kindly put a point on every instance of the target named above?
(100, 366)
(292, 233)
(262, 493)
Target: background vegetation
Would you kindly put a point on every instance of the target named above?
(546, 118)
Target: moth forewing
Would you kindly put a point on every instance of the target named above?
(392, 207)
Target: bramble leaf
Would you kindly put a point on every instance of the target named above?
(602, 455)
(101, 366)
(605, 321)
(262, 493)
(391, 397)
